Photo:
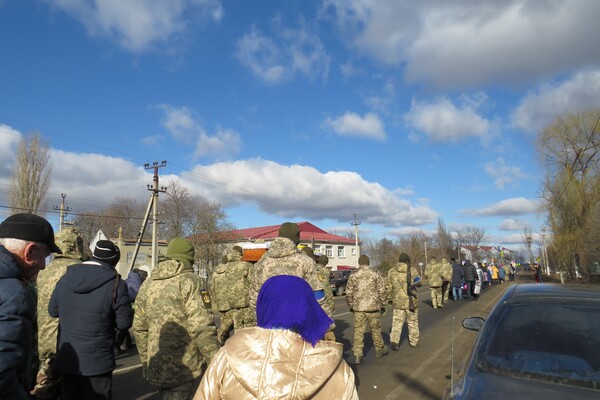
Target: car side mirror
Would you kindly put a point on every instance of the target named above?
(473, 323)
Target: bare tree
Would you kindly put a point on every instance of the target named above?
(570, 149)
(31, 177)
(443, 239)
(472, 235)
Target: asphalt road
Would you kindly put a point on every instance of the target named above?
(410, 373)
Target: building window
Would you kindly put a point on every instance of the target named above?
(341, 252)
(329, 251)
(354, 251)
(317, 248)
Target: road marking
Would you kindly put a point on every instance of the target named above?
(126, 369)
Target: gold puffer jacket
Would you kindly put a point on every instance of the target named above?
(258, 363)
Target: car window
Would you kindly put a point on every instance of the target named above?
(556, 341)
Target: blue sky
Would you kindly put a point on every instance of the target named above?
(402, 112)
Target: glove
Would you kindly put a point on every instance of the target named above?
(383, 310)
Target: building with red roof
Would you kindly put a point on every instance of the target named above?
(341, 251)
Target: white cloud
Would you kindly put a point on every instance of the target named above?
(92, 181)
(9, 141)
(302, 191)
(277, 60)
(152, 140)
(351, 124)
(509, 207)
(502, 173)
(139, 25)
(540, 107)
(185, 126)
(510, 224)
(444, 121)
(450, 44)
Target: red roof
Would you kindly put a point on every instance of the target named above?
(308, 233)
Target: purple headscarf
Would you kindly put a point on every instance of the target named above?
(288, 302)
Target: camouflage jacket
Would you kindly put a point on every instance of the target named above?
(283, 258)
(48, 326)
(446, 271)
(329, 303)
(365, 290)
(174, 333)
(434, 274)
(229, 284)
(397, 285)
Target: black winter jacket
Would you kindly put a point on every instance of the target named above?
(469, 271)
(17, 321)
(91, 301)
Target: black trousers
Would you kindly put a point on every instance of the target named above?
(77, 387)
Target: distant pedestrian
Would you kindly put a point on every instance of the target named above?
(366, 297)
(283, 357)
(501, 273)
(175, 335)
(48, 379)
(457, 281)
(435, 278)
(478, 280)
(469, 275)
(447, 277)
(90, 302)
(231, 290)
(25, 242)
(402, 282)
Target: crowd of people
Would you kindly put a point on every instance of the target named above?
(275, 337)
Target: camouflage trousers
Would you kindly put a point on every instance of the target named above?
(361, 320)
(48, 381)
(445, 291)
(412, 320)
(436, 297)
(181, 392)
(237, 318)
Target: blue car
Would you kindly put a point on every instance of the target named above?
(539, 342)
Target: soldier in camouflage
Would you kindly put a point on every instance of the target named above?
(284, 258)
(435, 278)
(48, 379)
(403, 293)
(230, 288)
(175, 334)
(323, 275)
(366, 297)
(446, 278)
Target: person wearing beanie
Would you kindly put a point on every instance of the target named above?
(90, 301)
(229, 287)
(170, 314)
(25, 242)
(284, 258)
(48, 379)
(181, 250)
(402, 282)
(366, 297)
(296, 364)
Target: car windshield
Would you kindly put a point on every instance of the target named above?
(550, 340)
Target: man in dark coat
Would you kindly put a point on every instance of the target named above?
(470, 275)
(91, 301)
(25, 242)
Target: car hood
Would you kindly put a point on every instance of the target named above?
(479, 385)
